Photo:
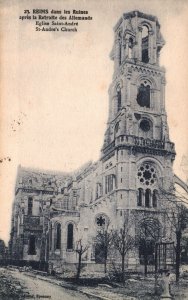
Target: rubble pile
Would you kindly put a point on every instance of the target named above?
(9, 287)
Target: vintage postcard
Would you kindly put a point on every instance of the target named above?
(94, 149)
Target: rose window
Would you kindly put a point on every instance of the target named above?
(147, 174)
(100, 221)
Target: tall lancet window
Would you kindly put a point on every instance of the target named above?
(30, 206)
(70, 236)
(140, 196)
(147, 197)
(118, 98)
(50, 237)
(32, 245)
(145, 44)
(143, 96)
(130, 48)
(58, 236)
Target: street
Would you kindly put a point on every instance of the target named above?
(39, 289)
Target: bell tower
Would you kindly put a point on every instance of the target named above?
(137, 134)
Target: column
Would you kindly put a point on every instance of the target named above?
(52, 246)
(139, 44)
(151, 51)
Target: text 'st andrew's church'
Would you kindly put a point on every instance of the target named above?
(52, 212)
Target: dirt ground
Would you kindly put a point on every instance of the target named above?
(15, 285)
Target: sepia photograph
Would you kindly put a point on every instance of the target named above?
(94, 149)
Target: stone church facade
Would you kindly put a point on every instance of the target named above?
(53, 212)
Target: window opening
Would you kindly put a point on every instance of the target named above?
(147, 175)
(145, 125)
(119, 98)
(130, 47)
(109, 183)
(30, 206)
(32, 246)
(101, 221)
(140, 195)
(145, 44)
(147, 197)
(154, 198)
(143, 96)
(58, 236)
(50, 239)
(70, 236)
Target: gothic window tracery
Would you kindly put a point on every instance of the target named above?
(147, 178)
(147, 174)
(101, 220)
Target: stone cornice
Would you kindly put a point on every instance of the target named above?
(133, 14)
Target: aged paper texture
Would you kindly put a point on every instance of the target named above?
(54, 84)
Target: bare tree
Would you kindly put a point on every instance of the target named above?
(80, 249)
(123, 241)
(103, 241)
(177, 214)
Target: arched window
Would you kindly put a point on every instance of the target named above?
(32, 245)
(110, 183)
(70, 236)
(143, 96)
(147, 197)
(58, 236)
(154, 198)
(50, 237)
(130, 47)
(30, 206)
(145, 44)
(118, 98)
(140, 195)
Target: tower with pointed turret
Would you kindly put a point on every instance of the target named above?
(137, 131)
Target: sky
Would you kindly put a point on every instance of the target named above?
(54, 86)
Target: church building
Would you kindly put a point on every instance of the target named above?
(54, 213)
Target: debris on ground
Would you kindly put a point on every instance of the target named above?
(10, 288)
